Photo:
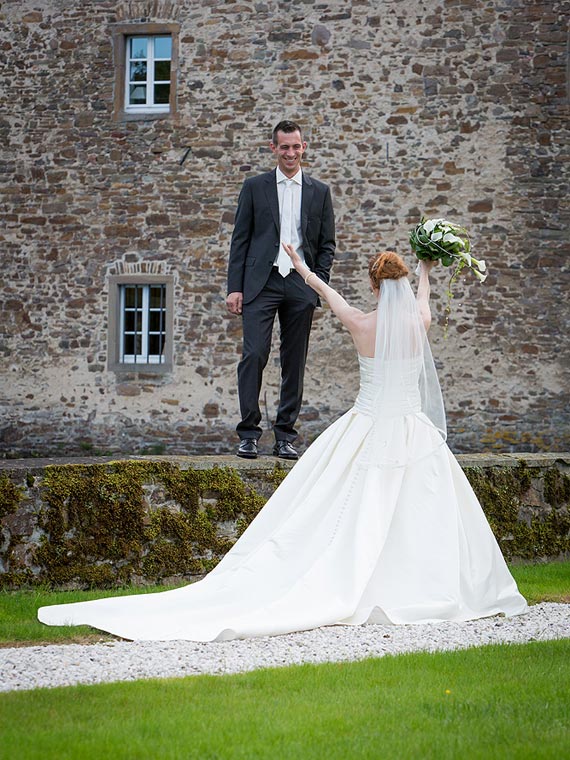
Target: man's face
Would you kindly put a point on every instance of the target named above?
(289, 151)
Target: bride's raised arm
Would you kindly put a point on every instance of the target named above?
(423, 293)
(347, 314)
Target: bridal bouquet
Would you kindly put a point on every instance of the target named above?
(438, 239)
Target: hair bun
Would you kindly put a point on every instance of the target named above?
(386, 266)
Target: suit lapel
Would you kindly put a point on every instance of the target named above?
(272, 199)
(306, 198)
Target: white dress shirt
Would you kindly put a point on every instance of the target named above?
(292, 235)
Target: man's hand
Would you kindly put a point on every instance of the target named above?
(234, 303)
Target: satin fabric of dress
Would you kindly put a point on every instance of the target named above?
(347, 538)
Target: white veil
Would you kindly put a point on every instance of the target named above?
(405, 377)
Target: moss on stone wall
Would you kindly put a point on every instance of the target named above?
(10, 496)
(10, 500)
(102, 527)
(556, 488)
(511, 501)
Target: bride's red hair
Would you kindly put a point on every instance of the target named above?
(386, 266)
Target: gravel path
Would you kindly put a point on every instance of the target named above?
(64, 665)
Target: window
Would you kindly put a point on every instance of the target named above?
(140, 323)
(147, 77)
(143, 323)
(146, 64)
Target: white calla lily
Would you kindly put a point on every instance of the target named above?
(436, 236)
(481, 266)
(429, 225)
(481, 277)
(465, 256)
(449, 237)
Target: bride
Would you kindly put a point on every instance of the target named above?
(376, 523)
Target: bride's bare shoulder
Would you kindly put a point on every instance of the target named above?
(364, 333)
(369, 318)
(361, 318)
(363, 322)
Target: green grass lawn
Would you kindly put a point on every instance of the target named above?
(548, 582)
(509, 701)
(501, 701)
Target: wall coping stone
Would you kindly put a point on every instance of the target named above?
(268, 463)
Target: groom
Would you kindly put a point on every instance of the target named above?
(284, 205)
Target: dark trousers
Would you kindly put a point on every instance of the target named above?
(294, 302)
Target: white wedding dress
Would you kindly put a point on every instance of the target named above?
(376, 523)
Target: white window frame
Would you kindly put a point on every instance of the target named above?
(150, 81)
(145, 332)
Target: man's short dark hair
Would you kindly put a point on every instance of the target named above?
(286, 126)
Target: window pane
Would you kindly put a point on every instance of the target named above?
(133, 321)
(138, 71)
(161, 93)
(163, 47)
(130, 321)
(162, 71)
(129, 344)
(155, 322)
(137, 94)
(133, 296)
(157, 297)
(155, 344)
(138, 47)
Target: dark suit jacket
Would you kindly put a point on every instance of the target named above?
(255, 239)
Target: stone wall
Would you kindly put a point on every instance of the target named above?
(72, 524)
(455, 108)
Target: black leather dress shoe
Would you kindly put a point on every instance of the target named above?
(284, 450)
(248, 448)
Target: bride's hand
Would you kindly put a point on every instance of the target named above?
(426, 265)
(292, 253)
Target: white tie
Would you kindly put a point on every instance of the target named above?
(287, 221)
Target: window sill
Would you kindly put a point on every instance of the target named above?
(136, 369)
(142, 115)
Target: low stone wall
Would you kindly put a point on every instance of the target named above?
(81, 523)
